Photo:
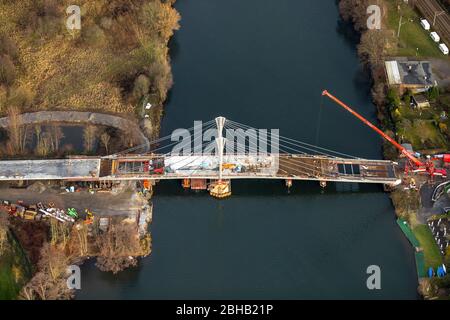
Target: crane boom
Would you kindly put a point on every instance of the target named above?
(402, 149)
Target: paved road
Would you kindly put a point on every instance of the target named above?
(429, 207)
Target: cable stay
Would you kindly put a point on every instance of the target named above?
(293, 142)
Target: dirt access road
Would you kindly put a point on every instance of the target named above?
(100, 203)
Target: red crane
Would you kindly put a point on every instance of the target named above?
(417, 164)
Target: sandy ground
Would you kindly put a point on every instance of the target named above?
(100, 203)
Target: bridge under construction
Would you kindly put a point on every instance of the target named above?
(145, 167)
(213, 166)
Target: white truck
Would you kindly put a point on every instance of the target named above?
(435, 36)
(424, 23)
(443, 48)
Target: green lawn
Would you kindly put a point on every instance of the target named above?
(422, 134)
(412, 35)
(14, 271)
(433, 257)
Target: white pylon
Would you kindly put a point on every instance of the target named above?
(220, 141)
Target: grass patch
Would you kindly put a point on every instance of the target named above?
(433, 257)
(422, 134)
(15, 270)
(412, 35)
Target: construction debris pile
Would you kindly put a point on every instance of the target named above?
(40, 211)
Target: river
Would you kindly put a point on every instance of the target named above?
(264, 63)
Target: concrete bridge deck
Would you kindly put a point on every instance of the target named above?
(144, 167)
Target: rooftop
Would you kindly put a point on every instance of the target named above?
(420, 98)
(403, 71)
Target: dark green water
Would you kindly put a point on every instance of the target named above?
(265, 63)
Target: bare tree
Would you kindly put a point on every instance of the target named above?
(59, 233)
(355, 11)
(16, 132)
(43, 143)
(79, 244)
(4, 228)
(49, 283)
(89, 137)
(56, 136)
(373, 47)
(105, 138)
(116, 246)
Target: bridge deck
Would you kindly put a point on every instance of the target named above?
(322, 168)
(60, 169)
(296, 167)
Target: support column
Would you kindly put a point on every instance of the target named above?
(220, 188)
(220, 141)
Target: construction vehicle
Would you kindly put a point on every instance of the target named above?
(445, 158)
(146, 184)
(16, 210)
(72, 212)
(229, 166)
(89, 217)
(158, 171)
(414, 164)
(29, 215)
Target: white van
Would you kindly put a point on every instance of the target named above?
(443, 48)
(435, 36)
(424, 23)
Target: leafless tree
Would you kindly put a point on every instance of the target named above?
(373, 47)
(89, 137)
(49, 283)
(56, 136)
(43, 142)
(116, 246)
(4, 228)
(105, 138)
(17, 132)
(79, 244)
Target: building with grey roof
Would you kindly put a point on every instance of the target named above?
(407, 74)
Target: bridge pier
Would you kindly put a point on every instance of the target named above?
(186, 183)
(220, 189)
(288, 183)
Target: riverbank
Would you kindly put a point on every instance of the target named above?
(406, 199)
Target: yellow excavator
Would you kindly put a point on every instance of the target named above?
(89, 217)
